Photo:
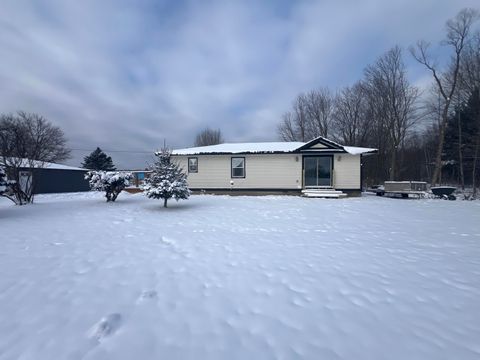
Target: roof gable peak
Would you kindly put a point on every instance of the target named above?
(321, 143)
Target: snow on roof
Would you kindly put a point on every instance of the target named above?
(45, 165)
(54, 166)
(236, 148)
(354, 150)
(262, 147)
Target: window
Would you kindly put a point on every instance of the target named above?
(193, 165)
(238, 167)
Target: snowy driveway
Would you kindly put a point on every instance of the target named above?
(239, 278)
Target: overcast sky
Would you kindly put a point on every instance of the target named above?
(127, 74)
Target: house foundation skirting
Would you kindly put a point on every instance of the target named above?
(251, 192)
(261, 192)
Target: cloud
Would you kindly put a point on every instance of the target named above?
(124, 75)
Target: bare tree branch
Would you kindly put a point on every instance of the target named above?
(458, 31)
(208, 137)
(28, 141)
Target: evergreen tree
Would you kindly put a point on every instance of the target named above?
(98, 160)
(469, 127)
(6, 186)
(3, 181)
(167, 179)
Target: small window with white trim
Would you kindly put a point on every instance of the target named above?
(238, 167)
(193, 165)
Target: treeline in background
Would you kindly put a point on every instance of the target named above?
(431, 135)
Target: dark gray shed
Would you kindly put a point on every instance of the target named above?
(56, 178)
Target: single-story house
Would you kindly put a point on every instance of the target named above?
(53, 178)
(320, 167)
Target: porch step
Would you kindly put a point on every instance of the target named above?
(323, 193)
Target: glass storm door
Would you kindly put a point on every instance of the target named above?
(318, 171)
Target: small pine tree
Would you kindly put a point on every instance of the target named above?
(98, 160)
(6, 186)
(111, 182)
(3, 181)
(167, 179)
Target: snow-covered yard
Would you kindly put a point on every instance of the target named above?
(239, 278)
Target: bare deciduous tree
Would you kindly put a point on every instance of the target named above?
(352, 118)
(393, 99)
(470, 84)
(310, 117)
(208, 137)
(287, 128)
(28, 141)
(319, 108)
(446, 81)
(294, 123)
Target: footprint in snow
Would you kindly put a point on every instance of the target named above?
(107, 326)
(147, 295)
(173, 245)
(167, 241)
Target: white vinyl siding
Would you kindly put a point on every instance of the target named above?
(346, 171)
(262, 171)
(266, 171)
(318, 146)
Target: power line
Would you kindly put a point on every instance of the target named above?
(119, 151)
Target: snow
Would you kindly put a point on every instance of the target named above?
(54, 166)
(263, 147)
(43, 164)
(219, 277)
(354, 150)
(167, 179)
(111, 182)
(237, 148)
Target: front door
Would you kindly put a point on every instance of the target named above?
(317, 171)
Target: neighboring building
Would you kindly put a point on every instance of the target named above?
(319, 167)
(138, 180)
(138, 177)
(55, 178)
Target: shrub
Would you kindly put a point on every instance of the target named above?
(112, 182)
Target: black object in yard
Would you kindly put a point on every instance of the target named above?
(445, 192)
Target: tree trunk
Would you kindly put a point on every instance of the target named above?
(427, 163)
(474, 168)
(393, 167)
(165, 202)
(460, 156)
(441, 139)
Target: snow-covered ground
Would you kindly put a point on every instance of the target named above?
(221, 277)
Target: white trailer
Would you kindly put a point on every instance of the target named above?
(403, 189)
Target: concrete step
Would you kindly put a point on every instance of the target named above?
(331, 196)
(326, 191)
(323, 193)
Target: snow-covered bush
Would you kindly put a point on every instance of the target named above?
(167, 179)
(112, 182)
(3, 181)
(6, 186)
